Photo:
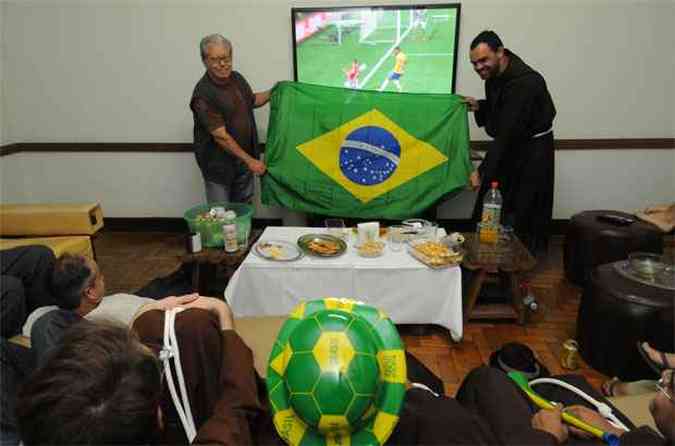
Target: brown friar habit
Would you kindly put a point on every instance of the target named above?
(517, 107)
(230, 407)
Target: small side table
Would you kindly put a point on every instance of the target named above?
(208, 260)
(509, 257)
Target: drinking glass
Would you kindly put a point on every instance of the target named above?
(335, 227)
(396, 237)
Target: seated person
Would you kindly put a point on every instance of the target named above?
(79, 285)
(24, 285)
(658, 362)
(104, 379)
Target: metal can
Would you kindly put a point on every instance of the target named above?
(230, 237)
(569, 355)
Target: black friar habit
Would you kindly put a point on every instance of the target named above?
(518, 113)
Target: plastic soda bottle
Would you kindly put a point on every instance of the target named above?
(492, 211)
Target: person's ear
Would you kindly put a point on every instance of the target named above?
(90, 293)
(500, 52)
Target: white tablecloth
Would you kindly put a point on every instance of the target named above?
(408, 291)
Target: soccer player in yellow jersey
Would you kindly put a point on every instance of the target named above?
(397, 72)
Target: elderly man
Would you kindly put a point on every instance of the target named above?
(518, 113)
(225, 134)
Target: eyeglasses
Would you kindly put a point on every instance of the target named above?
(219, 60)
(666, 383)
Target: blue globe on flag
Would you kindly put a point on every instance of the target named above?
(369, 155)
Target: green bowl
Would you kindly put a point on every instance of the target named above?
(212, 231)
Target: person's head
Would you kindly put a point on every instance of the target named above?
(662, 407)
(101, 386)
(397, 50)
(487, 55)
(216, 52)
(77, 280)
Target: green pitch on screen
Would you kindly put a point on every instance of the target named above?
(322, 59)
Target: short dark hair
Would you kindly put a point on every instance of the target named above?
(70, 277)
(490, 38)
(101, 386)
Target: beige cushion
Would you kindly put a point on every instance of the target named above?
(259, 333)
(50, 219)
(636, 408)
(77, 244)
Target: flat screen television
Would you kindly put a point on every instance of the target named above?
(409, 48)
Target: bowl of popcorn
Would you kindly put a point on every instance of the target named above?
(370, 248)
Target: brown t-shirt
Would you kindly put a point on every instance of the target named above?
(227, 104)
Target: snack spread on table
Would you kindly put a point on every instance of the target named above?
(437, 253)
(272, 250)
(324, 247)
(370, 248)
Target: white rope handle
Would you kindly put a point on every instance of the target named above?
(603, 408)
(170, 350)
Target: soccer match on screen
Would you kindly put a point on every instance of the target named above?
(409, 50)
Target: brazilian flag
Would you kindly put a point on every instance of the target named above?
(363, 154)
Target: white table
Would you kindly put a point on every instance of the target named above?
(408, 291)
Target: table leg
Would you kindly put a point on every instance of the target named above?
(473, 292)
(196, 266)
(516, 297)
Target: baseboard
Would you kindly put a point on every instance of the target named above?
(166, 224)
(174, 224)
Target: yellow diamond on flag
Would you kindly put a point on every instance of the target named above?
(371, 155)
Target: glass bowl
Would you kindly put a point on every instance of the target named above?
(646, 264)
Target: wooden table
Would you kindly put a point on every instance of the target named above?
(510, 258)
(207, 261)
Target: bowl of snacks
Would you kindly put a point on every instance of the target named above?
(646, 264)
(208, 220)
(453, 240)
(370, 248)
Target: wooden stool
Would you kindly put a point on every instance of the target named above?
(509, 258)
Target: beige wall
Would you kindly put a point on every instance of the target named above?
(122, 71)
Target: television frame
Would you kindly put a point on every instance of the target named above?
(428, 6)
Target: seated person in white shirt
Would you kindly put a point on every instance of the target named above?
(80, 285)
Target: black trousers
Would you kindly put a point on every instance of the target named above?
(25, 274)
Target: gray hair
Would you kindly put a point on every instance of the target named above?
(213, 38)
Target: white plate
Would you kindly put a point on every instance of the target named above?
(277, 250)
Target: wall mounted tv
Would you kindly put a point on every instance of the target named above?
(360, 47)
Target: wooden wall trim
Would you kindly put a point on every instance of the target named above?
(560, 144)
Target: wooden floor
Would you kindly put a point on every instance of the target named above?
(129, 260)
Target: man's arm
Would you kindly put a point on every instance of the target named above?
(261, 98)
(479, 108)
(227, 142)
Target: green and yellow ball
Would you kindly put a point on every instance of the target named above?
(336, 375)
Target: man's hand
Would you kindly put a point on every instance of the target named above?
(593, 418)
(175, 301)
(474, 180)
(472, 103)
(215, 306)
(550, 420)
(257, 167)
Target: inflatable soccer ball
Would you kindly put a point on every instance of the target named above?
(336, 375)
